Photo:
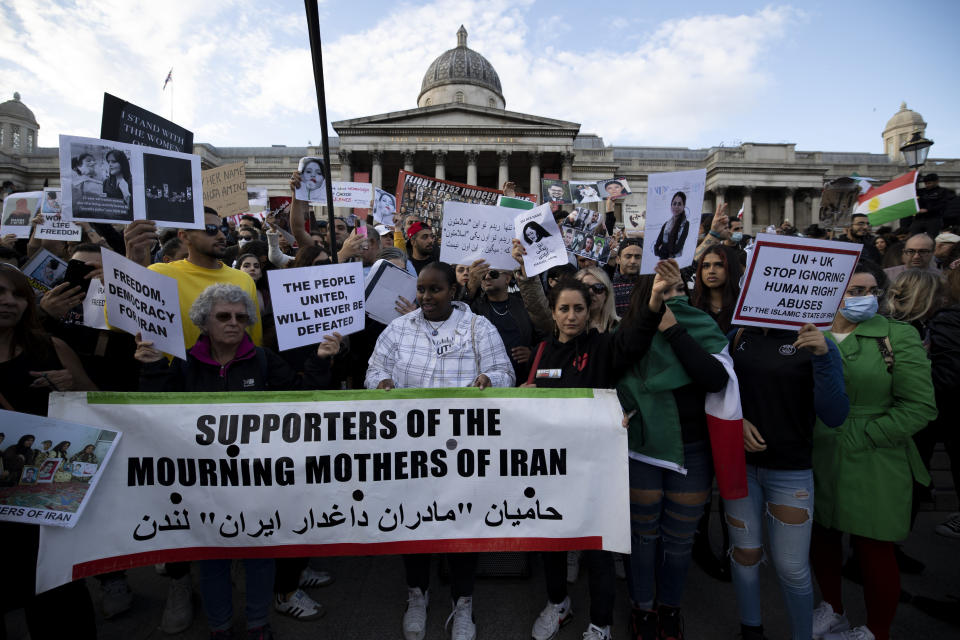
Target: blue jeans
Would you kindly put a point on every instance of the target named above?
(217, 592)
(789, 543)
(665, 508)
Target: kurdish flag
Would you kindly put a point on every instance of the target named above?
(894, 200)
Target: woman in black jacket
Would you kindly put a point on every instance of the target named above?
(224, 358)
(580, 356)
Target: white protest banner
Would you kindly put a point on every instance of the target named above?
(634, 219)
(385, 283)
(311, 302)
(42, 487)
(117, 183)
(142, 301)
(384, 206)
(674, 203)
(257, 198)
(94, 304)
(54, 227)
(538, 232)
(794, 281)
(313, 187)
(334, 473)
(477, 232)
(352, 194)
(44, 271)
(18, 212)
(225, 189)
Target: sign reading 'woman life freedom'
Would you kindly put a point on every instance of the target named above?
(334, 473)
(792, 281)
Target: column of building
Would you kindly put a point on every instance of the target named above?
(748, 209)
(504, 174)
(534, 171)
(439, 164)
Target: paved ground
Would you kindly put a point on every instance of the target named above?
(368, 598)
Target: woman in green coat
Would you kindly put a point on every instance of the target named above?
(864, 470)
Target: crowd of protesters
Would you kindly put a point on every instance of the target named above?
(839, 426)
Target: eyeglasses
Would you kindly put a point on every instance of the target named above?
(916, 252)
(598, 288)
(857, 292)
(224, 316)
(211, 229)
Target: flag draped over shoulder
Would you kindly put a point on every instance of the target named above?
(646, 394)
(168, 80)
(891, 201)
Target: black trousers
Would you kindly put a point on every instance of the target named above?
(599, 564)
(463, 571)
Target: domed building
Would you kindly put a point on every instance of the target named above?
(463, 76)
(899, 129)
(18, 127)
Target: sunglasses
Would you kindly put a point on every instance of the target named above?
(224, 316)
(493, 274)
(211, 229)
(598, 288)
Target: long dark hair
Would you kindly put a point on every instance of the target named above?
(307, 254)
(639, 298)
(730, 289)
(124, 165)
(675, 231)
(28, 335)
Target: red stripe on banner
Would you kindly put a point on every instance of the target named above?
(117, 563)
(729, 460)
(905, 179)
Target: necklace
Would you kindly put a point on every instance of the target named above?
(436, 329)
(506, 308)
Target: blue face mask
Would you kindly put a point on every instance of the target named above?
(859, 309)
(737, 236)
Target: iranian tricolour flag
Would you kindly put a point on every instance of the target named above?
(894, 200)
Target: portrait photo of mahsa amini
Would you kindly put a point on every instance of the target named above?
(533, 232)
(673, 234)
(101, 183)
(168, 187)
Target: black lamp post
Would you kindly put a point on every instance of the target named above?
(915, 150)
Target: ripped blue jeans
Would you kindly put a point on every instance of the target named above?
(665, 508)
(770, 490)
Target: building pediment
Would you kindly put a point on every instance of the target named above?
(455, 118)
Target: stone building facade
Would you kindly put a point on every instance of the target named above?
(462, 131)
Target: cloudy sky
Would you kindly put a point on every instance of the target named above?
(824, 74)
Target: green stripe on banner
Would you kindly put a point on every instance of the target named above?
(515, 203)
(893, 212)
(252, 397)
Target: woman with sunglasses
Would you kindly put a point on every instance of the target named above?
(225, 358)
(864, 470)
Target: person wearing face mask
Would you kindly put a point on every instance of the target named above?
(864, 469)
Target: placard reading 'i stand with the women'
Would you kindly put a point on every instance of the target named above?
(791, 282)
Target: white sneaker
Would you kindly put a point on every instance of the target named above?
(548, 623)
(573, 566)
(299, 606)
(462, 617)
(857, 633)
(312, 578)
(117, 597)
(826, 621)
(594, 632)
(178, 610)
(950, 527)
(415, 617)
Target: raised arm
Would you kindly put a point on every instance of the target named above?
(298, 214)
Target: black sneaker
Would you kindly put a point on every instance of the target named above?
(643, 624)
(670, 625)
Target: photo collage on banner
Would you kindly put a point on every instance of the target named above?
(424, 197)
(115, 182)
(587, 244)
(582, 191)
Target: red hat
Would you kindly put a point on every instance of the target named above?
(415, 228)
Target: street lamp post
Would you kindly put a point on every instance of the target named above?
(915, 150)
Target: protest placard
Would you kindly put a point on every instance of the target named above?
(615, 188)
(351, 195)
(385, 283)
(54, 227)
(257, 198)
(225, 189)
(18, 212)
(590, 221)
(384, 206)
(312, 302)
(327, 473)
(424, 197)
(39, 487)
(583, 191)
(794, 281)
(538, 232)
(139, 300)
(586, 244)
(126, 122)
(44, 271)
(478, 232)
(634, 218)
(115, 182)
(515, 203)
(674, 202)
(556, 191)
(313, 184)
